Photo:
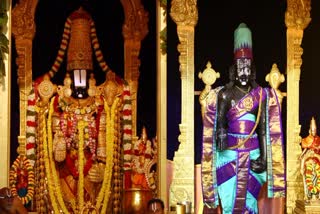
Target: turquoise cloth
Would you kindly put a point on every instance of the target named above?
(228, 188)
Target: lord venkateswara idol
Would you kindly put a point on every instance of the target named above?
(79, 133)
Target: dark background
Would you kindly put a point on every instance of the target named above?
(108, 15)
(214, 42)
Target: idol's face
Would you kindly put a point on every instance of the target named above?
(243, 70)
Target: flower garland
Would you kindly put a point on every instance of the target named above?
(310, 171)
(81, 165)
(41, 195)
(31, 128)
(22, 164)
(127, 127)
(68, 124)
(104, 193)
(53, 180)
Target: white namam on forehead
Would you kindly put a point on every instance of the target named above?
(243, 70)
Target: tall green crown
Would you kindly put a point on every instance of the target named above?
(242, 42)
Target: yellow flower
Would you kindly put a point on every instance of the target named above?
(86, 136)
(53, 180)
(104, 193)
(81, 165)
(22, 163)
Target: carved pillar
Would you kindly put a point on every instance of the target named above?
(162, 104)
(134, 30)
(185, 15)
(5, 93)
(23, 30)
(297, 18)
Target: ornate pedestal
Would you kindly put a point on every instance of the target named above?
(309, 208)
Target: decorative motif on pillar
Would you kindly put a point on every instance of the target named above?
(134, 30)
(4, 41)
(184, 12)
(297, 18)
(23, 29)
(298, 14)
(185, 15)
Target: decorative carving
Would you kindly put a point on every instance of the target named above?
(209, 77)
(297, 18)
(183, 133)
(184, 12)
(310, 163)
(310, 172)
(23, 29)
(46, 89)
(298, 14)
(23, 61)
(297, 54)
(4, 41)
(136, 20)
(134, 30)
(144, 157)
(182, 48)
(185, 15)
(163, 31)
(275, 78)
(23, 26)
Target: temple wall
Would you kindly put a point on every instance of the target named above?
(5, 118)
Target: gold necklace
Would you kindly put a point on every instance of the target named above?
(243, 91)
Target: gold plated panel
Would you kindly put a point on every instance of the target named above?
(185, 15)
(297, 18)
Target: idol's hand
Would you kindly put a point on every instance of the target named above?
(259, 165)
(221, 145)
(221, 139)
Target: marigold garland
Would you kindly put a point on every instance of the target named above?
(48, 172)
(81, 164)
(309, 177)
(104, 193)
(53, 180)
(41, 195)
(22, 163)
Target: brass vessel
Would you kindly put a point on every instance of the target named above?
(136, 200)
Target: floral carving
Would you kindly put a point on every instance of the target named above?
(136, 20)
(184, 12)
(23, 19)
(298, 14)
